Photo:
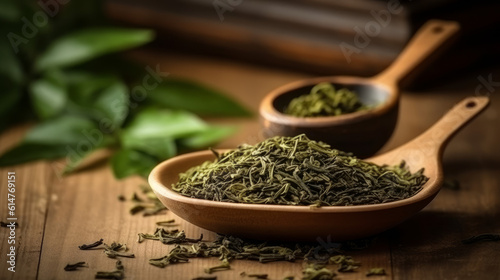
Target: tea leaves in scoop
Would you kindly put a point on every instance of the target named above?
(325, 100)
(297, 171)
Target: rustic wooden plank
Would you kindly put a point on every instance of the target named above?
(33, 183)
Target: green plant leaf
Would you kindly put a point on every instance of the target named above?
(84, 45)
(129, 162)
(207, 137)
(10, 65)
(157, 123)
(161, 148)
(26, 152)
(10, 10)
(47, 98)
(78, 154)
(103, 98)
(70, 136)
(10, 97)
(194, 97)
(113, 102)
(84, 85)
(67, 130)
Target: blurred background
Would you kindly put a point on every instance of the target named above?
(359, 37)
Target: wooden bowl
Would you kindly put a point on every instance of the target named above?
(362, 133)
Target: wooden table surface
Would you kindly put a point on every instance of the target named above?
(56, 214)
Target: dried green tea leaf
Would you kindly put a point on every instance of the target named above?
(223, 266)
(136, 209)
(117, 274)
(481, 238)
(254, 275)
(375, 271)
(8, 224)
(75, 266)
(168, 237)
(117, 250)
(168, 223)
(345, 263)
(176, 255)
(317, 272)
(92, 245)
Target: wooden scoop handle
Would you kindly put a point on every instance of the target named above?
(434, 140)
(428, 39)
(427, 149)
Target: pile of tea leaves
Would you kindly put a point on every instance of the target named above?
(325, 100)
(297, 171)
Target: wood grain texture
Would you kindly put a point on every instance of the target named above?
(58, 214)
(33, 183)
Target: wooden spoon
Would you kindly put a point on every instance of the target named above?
(362, 133)
(282, 222)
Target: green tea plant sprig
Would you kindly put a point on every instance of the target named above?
(69, 77)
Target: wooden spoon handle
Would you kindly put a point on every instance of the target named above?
(434, 140)
(431, 36)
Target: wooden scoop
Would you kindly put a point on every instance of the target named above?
(362, 133)
(282, 222)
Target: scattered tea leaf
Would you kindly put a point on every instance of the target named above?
(345, 263)
(481, 238)
(75, 266)
(168, 223)
(117, 250)
(92, 245)
(375, 271)
(136, 209)
(451, 184)
(223, 266)
(8, 224)
(176, 255)
(254, 275)
(117, 274)
(168, 237)
(136, 198)
(317, 272)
